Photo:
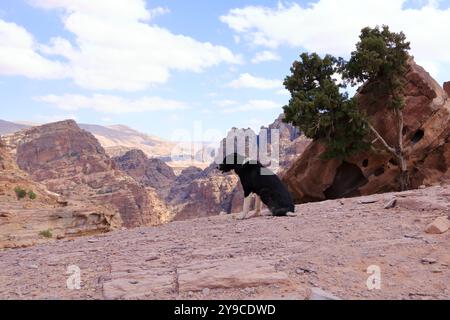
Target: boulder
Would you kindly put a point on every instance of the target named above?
(426, 141)
(438, 226)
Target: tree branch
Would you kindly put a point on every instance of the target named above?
(386, 145)
(400, 129)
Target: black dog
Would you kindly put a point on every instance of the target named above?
(257, 179)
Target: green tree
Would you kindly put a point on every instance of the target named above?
(381, 58)
(322, 111)
(319, 108)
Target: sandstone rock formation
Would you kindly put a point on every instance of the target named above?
(329, 245)
(447, 87)
(44, 216)
(149, 172)
(199, 193)
(426, 141)
(72, 163)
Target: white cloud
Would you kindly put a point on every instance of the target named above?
(330, 26)
(116, 46)
(18, 55)
(265, 56)
(111, 104)
(246, 80)
(254, 105)
(158, 11)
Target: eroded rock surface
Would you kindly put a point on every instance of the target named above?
(330, 246)
(198, 193)
(72, 163)
(45, 216)
(150, 172)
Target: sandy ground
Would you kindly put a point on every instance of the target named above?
(329, 245)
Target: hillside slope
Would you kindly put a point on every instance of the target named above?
(329, 245)
(119, 139)
(7, 127)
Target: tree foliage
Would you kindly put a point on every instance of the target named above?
(381, 56)
(320, 108)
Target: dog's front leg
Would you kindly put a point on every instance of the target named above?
(246, 209)
(258, 204)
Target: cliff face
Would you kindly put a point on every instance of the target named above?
(149, 172)
(72, 163)
(44, 215)
(198, 193)
(426, 142)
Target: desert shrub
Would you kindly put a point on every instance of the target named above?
(46, 233)
(20, 193)
(32, 195)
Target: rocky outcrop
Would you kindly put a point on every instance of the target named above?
(426, 141)
(38, 215)
(179, 191)
(198, 193)
(332, 245)
(447, 88)
(72, 163)
(149, 172)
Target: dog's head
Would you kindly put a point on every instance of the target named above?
(233, 161)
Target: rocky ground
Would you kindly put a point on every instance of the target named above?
(329, 245)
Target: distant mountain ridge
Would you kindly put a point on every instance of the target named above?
(116, 139)
(119, 139)
(7, 127)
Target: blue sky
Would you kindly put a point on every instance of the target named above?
(164, 66)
